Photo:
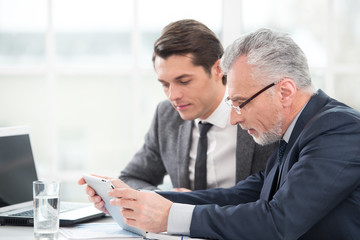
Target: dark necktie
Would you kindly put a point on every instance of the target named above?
(277, 175)
(200, 162)
(281, 150)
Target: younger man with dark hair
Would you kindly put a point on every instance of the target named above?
(186, 59)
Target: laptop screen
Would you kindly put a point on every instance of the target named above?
(17, 167)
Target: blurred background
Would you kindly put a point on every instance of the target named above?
(79, 72)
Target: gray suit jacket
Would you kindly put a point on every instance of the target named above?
(166, 151)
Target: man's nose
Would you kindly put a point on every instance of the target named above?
(174, 93)
(235, 118)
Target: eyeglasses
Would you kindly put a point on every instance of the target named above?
(238, 108)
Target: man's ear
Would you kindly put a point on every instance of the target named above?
(216, 70)
(287, 91)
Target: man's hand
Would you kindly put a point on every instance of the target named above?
(96, 199)
(145, 210)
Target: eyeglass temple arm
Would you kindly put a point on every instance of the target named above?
(257, 94)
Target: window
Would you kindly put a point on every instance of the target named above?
(22, 33)
(328, 31)
(79, 72)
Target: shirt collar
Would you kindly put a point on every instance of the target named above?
(220, 117)
(288, 132)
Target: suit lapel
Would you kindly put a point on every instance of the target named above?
(245, 147)
(183, 153)
(314, 105)
(270, 181)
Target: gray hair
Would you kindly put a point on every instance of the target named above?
(273, 55)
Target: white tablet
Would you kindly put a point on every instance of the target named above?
(102, 187)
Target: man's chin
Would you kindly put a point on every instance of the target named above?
(258, 140)
(265, 140)
(186, 116)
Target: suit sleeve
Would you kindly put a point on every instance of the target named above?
(146, 170)
(245, 191)
(325, 173)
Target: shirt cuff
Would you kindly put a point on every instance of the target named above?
(180, 218)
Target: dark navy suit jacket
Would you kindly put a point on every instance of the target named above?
(319, 193)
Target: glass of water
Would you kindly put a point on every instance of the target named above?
(46, 208)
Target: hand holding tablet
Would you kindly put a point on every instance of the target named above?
(102, 186)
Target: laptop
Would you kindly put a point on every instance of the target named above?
(17, 173)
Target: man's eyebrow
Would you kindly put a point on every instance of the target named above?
(183, 76)
(234, 99)
(178, 78)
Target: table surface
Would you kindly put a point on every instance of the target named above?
(26, 232)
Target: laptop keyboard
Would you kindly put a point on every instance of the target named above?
(29, 213)
(64, 207)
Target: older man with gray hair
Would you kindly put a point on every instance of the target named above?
(310, 188)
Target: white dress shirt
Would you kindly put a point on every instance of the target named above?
(221, 153)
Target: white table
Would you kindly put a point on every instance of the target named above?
(26, 232)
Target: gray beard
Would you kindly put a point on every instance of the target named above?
(273, 135)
